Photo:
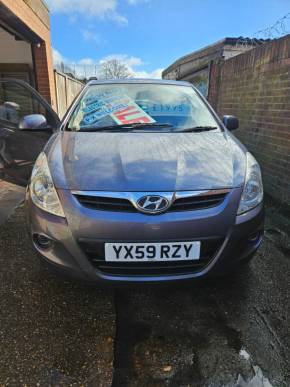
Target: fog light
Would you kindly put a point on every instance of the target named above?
(42, 241)
(254, 236)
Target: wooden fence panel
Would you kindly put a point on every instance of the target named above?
(67, 88)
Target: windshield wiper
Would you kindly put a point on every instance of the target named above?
(199, 129)
(125, 127)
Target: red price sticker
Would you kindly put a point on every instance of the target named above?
(131, 114)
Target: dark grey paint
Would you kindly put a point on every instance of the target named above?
(19, 148)
(146, 161)
(33, 122)
(143, 162)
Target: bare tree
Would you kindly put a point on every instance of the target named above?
(114, 69)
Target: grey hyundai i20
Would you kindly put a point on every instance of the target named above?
(142, 182)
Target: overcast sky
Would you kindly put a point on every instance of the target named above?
(150, 34)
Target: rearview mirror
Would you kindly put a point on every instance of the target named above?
(34, 122)
(231, 122)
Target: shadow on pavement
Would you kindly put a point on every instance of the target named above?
(52, 332)
(199, 335)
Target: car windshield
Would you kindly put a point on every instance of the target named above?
(137, 106)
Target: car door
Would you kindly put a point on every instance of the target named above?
(20, 148)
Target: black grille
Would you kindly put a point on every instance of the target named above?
(197, 202)
(106, 204)
(95, 252)
(124, 205)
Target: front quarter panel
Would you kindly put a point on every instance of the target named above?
(55, 156)
(239, 160)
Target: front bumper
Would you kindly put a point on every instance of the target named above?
(233, 238)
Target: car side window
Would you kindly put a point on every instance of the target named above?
(17, 101)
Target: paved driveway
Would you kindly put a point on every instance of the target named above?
(10, 197)
(230, 332)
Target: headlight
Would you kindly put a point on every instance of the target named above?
(42, 190)
(253, 189)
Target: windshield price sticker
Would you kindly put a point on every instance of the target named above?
(132, 114)
(167, 109)
(121, 109)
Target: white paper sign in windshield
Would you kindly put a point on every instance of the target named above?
(117, 105)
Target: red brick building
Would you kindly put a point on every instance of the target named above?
(196, 66)
(25, 46)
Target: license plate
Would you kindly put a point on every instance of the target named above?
(141, 252)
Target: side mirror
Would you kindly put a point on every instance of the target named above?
(231, 122)
(34, 122)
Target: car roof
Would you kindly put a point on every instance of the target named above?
(139, 81)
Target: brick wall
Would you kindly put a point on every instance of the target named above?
(255, 87)
(41, 71)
